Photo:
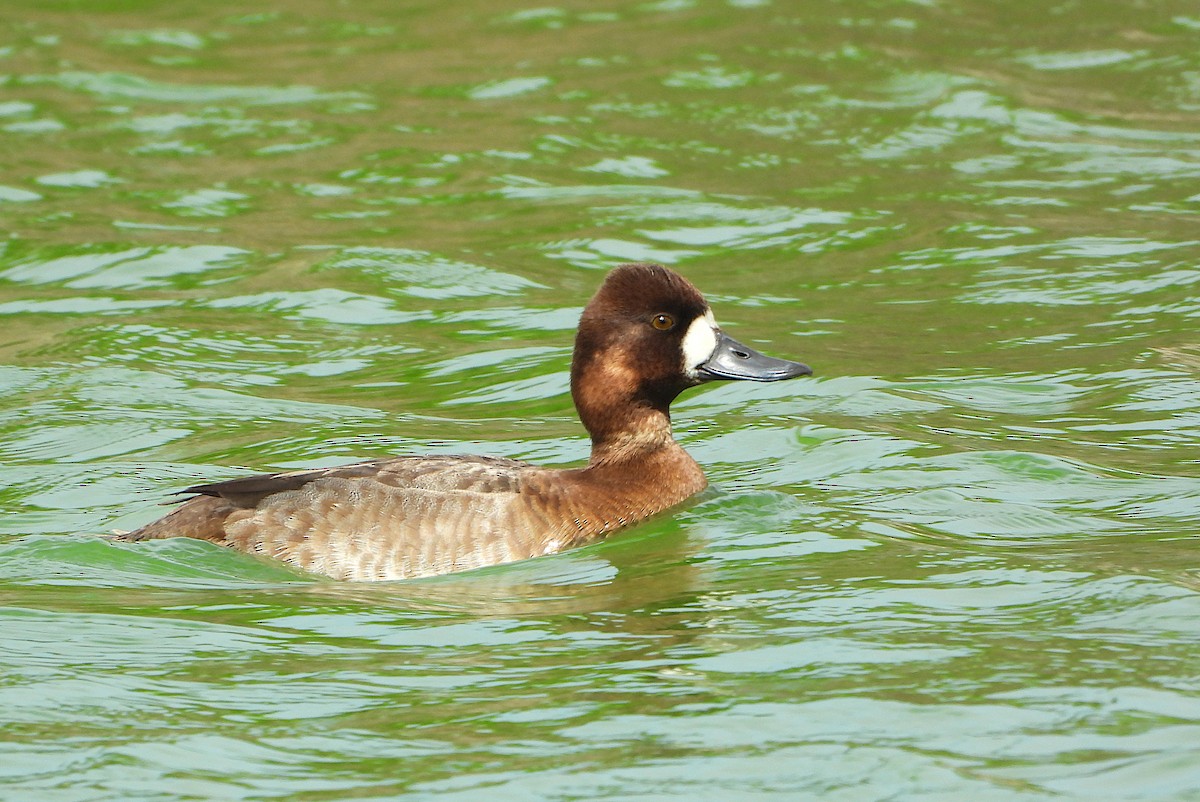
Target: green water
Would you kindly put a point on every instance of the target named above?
(959, 563)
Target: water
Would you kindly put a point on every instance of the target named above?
(961, 562)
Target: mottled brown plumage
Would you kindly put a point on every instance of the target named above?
(411, 517)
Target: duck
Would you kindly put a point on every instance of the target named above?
(645, 336)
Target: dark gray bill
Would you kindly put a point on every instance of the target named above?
(732, 360)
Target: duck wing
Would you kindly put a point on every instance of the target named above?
(395, 518)
(450, 473)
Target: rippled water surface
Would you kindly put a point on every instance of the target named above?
(959, 563)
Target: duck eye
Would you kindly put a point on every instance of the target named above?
(663, 322)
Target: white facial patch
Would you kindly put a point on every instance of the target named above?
(699, 342)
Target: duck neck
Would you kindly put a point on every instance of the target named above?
(643, 431)
(632, 445)
(643, 456)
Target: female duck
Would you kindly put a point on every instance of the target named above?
(646, 336)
